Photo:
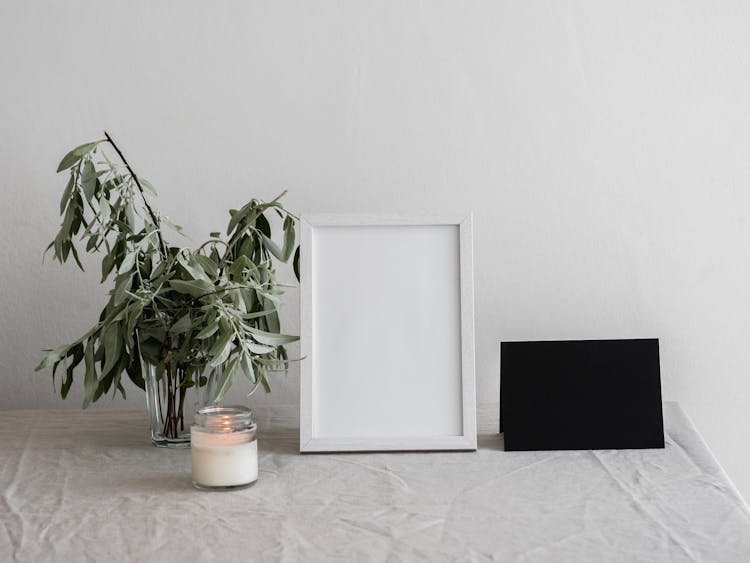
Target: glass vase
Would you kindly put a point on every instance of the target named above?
(173, 397)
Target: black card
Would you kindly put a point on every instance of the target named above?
(581, 395)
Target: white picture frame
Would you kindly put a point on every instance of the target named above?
(387, 333)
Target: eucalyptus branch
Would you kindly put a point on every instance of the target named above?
(240, 232)
(157, 314)
(133, 175)
(224, 290)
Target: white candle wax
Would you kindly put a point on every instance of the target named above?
(223, 460)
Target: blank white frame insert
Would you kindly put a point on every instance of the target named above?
(387, 333)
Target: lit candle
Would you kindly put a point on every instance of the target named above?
(223, 448)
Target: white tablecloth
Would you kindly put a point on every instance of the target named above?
(89, 486)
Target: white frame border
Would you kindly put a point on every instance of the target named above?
(468, 440)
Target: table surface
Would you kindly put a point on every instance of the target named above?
(88, 486)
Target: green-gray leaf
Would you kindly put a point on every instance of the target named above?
(208, 265)
(112, 346)
(192, 267)
(222, 356)
(208, 331)
(52, 357)
(127, 263)
(75, 155)
(222, 343)
(89, 380)
(66, 194)
(194, 288)
(273, 248)
(247, 367)
(147, 185)
(182, 325)
(226, 379)
(259, 348)
(88, 180)
(289, 237)
(271, 338)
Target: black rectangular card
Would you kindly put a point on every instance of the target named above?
(581, 395)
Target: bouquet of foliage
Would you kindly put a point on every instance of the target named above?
(199, 317)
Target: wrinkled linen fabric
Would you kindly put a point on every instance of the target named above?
(88, 486)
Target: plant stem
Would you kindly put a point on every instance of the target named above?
(173, 409)
(170, 402)
(278, 197)
(181, 411)
(143, 194)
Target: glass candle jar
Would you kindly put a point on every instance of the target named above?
(223, 448)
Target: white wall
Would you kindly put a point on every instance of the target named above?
(603, 146)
